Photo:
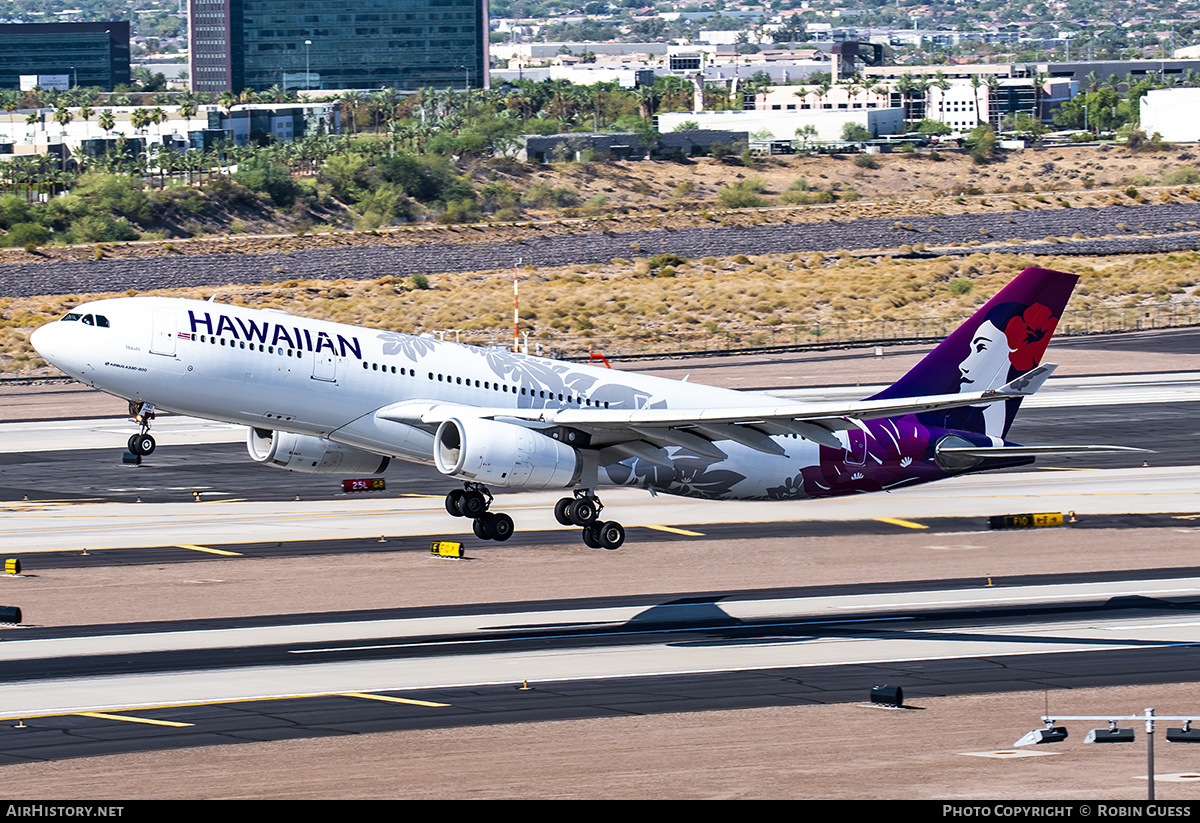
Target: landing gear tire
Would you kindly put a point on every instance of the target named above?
(583, 511)
(497, 526)
(454, 502)
(561, 511)
(609, 535)
(590, 537)
(612, 535)
(472, 504)
(141, 444)
(480, 527)
(501, 526)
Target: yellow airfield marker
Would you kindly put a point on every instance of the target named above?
(207, 549)
(896, 521)
(105, 716)
(684, 532)
(386, 699)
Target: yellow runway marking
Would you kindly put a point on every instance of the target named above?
(896, 521)
(206, 549)
(105, 716)
(684, 532)
(366, 696)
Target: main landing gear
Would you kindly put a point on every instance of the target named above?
(142, 414)
(473, 501)
(584, 510)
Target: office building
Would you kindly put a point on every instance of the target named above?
(338, 44)
(78, 54)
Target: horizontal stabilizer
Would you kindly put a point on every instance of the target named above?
(1032, 451)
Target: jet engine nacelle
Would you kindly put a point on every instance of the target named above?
(312, 455)
(504, 454)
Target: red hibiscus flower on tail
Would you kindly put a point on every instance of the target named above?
(1028, 335)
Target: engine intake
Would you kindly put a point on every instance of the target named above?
(503, 454)
(309, 454)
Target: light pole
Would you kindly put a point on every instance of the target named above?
(307, 84)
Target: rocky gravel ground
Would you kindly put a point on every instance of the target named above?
(1086, 231)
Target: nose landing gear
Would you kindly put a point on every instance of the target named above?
(141, 444)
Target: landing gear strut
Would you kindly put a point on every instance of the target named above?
(474, 500)
(584, 510)
(143, 414)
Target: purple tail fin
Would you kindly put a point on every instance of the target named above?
(1002, 340)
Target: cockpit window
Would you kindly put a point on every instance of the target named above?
(88, 320)
(71, 316)
(102, 321)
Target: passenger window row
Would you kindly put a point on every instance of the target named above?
(235, 344)
(490, 386)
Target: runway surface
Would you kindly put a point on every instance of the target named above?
(133, 688)
(112, 687)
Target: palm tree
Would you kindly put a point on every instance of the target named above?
(993, 86)
(350, 100)
(107, 121)
(12, 102)
(976, 83)
(139, 118)
(63, 116)
(86, 111)
(158, 116)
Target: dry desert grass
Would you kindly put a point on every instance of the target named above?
(626, 305)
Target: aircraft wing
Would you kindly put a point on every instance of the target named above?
(696, 429)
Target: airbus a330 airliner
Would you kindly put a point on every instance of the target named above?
(327, 398)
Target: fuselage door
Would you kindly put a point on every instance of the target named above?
(324, 367)
(163, 341)
(856, 447)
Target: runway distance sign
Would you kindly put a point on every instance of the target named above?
(370, 484)
(1025, 521)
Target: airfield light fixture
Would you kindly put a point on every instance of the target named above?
(1054, 734)
(1110, 735)
(1050, 734)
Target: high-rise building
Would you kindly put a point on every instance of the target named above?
(337, 44)
(85, 54)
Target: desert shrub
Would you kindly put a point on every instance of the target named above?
(743, 194)
(659, 261)
(1182, 176)
(26, 235)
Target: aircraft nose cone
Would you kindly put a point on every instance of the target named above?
(50, 342)
(43, 339)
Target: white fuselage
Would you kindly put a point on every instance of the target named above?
(271, 370)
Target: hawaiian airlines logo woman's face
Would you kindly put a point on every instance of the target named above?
(986, 364)
(1020, 345)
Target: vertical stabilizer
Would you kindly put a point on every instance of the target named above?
(1001, 341)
